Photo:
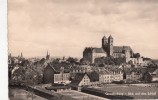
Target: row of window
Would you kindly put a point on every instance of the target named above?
(60, 79)
(60, 75)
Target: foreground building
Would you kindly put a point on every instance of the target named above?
(54, 74)
(151, 75)
(133, 75)
(95, 78)
(80, 79)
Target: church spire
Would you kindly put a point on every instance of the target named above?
(47, 56)
(110, 37)
(21, 55)
(104, 37)
(47, 53)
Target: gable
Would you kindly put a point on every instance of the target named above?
(48, 67)
(78, 78)
(84, 80)
(93, 76)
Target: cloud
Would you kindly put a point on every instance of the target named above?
(72, 25)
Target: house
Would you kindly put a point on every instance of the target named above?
(133, 73)
(151, 75)
(116, 73)
(105, 76)
(147, 61)
(94, 78)
(55, 74)
(81, 69)
(117, 76)
(97, 69)
(135, 61)
(80, 80)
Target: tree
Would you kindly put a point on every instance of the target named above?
(119, 61)
(31, 78)
(84, 62)
(56, 61)
(137, 55)
(109, 61)
(72, 60)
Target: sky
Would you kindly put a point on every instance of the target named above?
(66, 27)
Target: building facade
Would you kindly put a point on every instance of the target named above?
(81, 69)
(151, 75)
(54, 75)
(107, 50)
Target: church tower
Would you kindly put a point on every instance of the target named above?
(47, 56)
(104, 43)
(110, 46)
(21, 56)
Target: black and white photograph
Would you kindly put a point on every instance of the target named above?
(82, 49)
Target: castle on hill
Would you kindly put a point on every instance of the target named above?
(108, 49)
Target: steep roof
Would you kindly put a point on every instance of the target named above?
(98, 50)
(110, 37)
(94, 49)
(151, 70)
(104, 38)
(78, 78)
(94, 76)
(156, 71)
(104, 72)
(118, 49)
(59, 68)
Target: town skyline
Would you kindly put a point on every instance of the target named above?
(52, 54)
(66, 28)
(81, 49)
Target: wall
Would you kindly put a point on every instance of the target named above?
(85, 81)
(61, 77)
(105, 78)
(48, 75)
(87, 56)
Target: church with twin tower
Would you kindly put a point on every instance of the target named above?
(107, 50)
(107, 45)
